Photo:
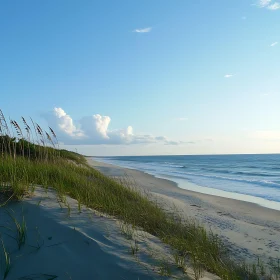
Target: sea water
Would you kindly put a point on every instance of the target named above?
(254, 178)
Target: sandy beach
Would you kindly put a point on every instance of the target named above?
(48, 236)
(250, 230)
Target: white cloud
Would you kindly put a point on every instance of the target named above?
(274, 44)
(94, 130)
(228, 76)
(65, 123)
(274, 6)
(264, 3)
(143, 30)
(268, 4)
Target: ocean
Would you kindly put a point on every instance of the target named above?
(253, 178)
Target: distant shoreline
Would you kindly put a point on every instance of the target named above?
(182, 155)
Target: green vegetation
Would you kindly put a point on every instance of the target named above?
(7, 261)
(34, 159)
(20, 231)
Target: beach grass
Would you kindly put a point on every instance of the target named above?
(34, 159)
(7, 261)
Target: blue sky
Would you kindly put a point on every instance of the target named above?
(145, 77)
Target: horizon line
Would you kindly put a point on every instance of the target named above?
(190, 155)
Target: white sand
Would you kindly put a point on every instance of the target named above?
(251, 230)
(82, 246)
(86, 245)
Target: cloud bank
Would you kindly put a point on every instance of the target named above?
(274, 6)
(94, 130)
(269, 4)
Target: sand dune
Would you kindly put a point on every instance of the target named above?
(83, 245)
(65, 243)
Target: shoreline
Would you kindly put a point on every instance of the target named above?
(250, 230)
(190, 186)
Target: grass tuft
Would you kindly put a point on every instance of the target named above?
(21, 230)
(7, 261)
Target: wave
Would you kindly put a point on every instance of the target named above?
(164, 168)
(173, 165)
(274, 168)
(254, 174)
(259, 179)
(245, 173)
(186, 175)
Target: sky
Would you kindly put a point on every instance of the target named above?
(145, 77)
